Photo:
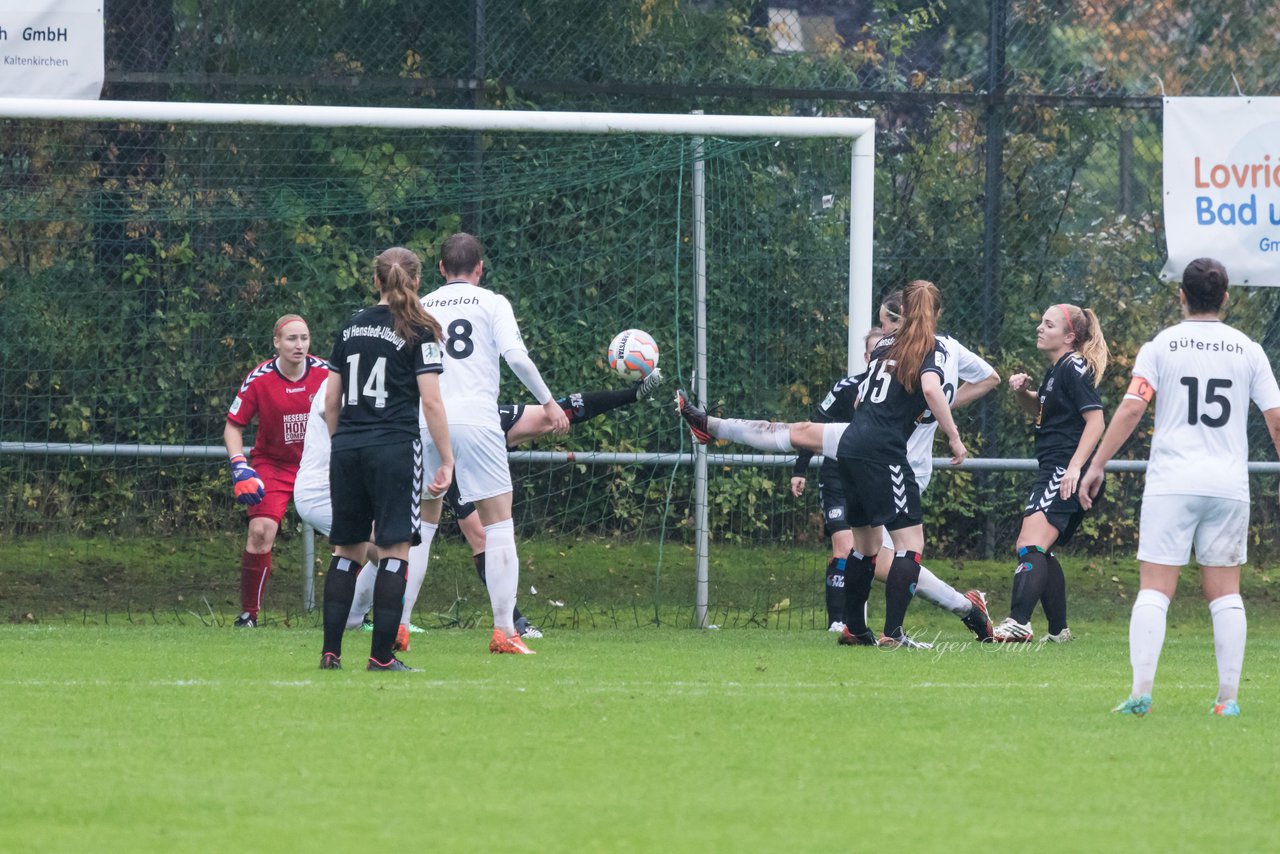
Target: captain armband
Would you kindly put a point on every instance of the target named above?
(1139, 389)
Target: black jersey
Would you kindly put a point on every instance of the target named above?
(1065, 395)
(836, 407)
(886, 411)
(379, 370)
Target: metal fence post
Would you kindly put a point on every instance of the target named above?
(995, 128)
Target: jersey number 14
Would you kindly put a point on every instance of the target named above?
(375, 387)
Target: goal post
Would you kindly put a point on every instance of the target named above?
(193, 222)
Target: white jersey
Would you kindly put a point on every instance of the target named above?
(1204, 373)
(312, 483)
(960, 364)
(479, 327)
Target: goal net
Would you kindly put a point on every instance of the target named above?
(146, 257)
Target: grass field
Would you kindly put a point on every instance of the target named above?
(165, 737)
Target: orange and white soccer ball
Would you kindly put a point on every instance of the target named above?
(633, 353)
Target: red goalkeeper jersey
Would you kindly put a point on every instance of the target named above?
(281, 406)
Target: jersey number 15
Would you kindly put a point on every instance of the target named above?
(1211, 397)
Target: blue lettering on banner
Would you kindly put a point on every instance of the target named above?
(1227, 213)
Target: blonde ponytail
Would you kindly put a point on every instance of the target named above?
(1090, 344)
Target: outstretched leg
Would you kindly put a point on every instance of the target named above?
(761, 435)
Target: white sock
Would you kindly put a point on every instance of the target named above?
(419, 555)
(1146, 638)
(1229, 629)
(363, 600)
(933, 589)
(761, 435)
(502, 573)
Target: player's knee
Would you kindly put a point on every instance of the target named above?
(262, 535)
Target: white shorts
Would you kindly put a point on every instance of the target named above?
(831, 434)
(1172, 524)
(479, 461)
(313, 505)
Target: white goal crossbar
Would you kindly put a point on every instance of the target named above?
(860, 131)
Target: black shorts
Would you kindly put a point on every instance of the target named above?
(453, 501)
(879, 493)
(1065, 514)
(509, 414)
(375, 490)
(831, 489)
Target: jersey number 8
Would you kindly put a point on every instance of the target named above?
(460, 345)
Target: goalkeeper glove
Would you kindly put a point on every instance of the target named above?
(249, 487)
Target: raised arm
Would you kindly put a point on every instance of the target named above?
(524, 368)
(936, 398)
(969, 392)
(1025, 395)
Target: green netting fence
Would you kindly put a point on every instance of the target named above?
(1018, 165)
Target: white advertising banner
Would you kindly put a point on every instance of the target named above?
(51, 48)
(1222, 186)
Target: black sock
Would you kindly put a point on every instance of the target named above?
(1054, 598)
(584, 405)
(339, 590)
(1029, 582)
(388, 605)
(899, 590)
(835, 590)
(478, 560)
(859, 572)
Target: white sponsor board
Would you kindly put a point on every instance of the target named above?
(1222, 186)
(51, 48)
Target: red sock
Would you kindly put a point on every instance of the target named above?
(254, 572)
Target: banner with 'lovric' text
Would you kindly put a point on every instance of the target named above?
(1222, 186)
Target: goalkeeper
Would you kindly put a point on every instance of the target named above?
(278, 394)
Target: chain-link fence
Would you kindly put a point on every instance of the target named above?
(1018, 165)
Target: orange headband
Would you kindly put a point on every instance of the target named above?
(288, 318)
(1063, 307)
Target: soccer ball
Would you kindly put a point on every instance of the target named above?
(633, 353)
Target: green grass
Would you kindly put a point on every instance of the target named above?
(127, 737)
(579, 583)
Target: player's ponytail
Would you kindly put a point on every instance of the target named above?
(1089, 343)
(396, 274)
(914, 339)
